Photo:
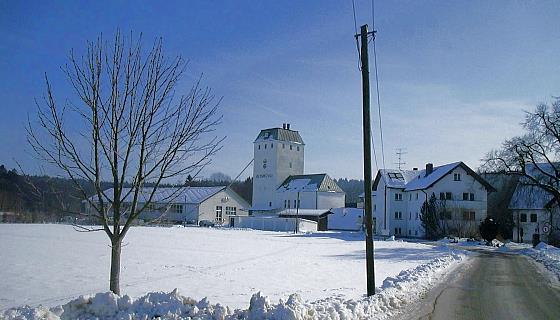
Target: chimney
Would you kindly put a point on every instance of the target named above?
(283, 126)
(288, 126)
(429, 168)
(414, 169)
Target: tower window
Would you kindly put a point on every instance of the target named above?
(270, 204)
(290, 147)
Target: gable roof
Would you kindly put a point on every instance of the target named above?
(417, 180)
(279, 134)
(528, 197)
(191, 195)
(309, 182)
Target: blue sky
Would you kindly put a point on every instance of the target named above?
(455, 76)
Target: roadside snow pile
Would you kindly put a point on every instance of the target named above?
(395, 293)
(549, 256)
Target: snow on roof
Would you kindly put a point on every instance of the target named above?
(309, 182)
(279, 134)
(529, 197)
(411, 180)
(346, 219)
(422, 181)
(304, 212)
(193, 195)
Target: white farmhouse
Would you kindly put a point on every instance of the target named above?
(278, 179)
(398, 196)
(532, 212)
(192, 205)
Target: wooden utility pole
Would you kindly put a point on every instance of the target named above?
(370, 269)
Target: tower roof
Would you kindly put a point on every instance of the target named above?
(279, 134)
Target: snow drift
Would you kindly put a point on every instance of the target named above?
(395, 293)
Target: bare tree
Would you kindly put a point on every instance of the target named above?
(534, 156)
(126, 126)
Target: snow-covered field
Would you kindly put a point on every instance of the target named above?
(53, 264)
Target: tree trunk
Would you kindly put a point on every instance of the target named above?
(115, 265)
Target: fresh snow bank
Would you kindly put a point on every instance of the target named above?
(549, 256)
(395, 293)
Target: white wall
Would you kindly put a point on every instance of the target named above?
(224, 198)
(411, 204)
(266, 179)
(274, 224)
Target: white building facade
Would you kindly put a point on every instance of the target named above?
(398, 196)
(187, 205)
(278, 179)
(278, 154)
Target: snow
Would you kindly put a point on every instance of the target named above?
(547, 255)
(320, 274)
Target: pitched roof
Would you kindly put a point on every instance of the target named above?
(279, 134)
(528, 197)
(309, 182)
(194, 195)
(411, 180)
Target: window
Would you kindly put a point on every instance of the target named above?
(290, 147)
(415, 232)
(259, 147)
(289, 204)
(448, 196)
(533, 217)
(469, 215)
(290, 165)
(283, 146)
(416, 195)
(409, 215)
(398, 215)
(471, 196)
(297, 148)
(409, 232)
(398, 196)
(465, 196)
(442, 196)
(395, 175)
(177, 208)
(285, 203)
(457, 177)
(265, 145)
(231, 211)
(270, 204)
(271, 146)
(396, 230)
(523, 217)
(410, 197)
(219, 215)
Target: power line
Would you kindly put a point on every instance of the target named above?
(356, 36)
(240, 173)
(377, 83)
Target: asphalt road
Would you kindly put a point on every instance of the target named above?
(493, 285)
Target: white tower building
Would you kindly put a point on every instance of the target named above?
(278, 154)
